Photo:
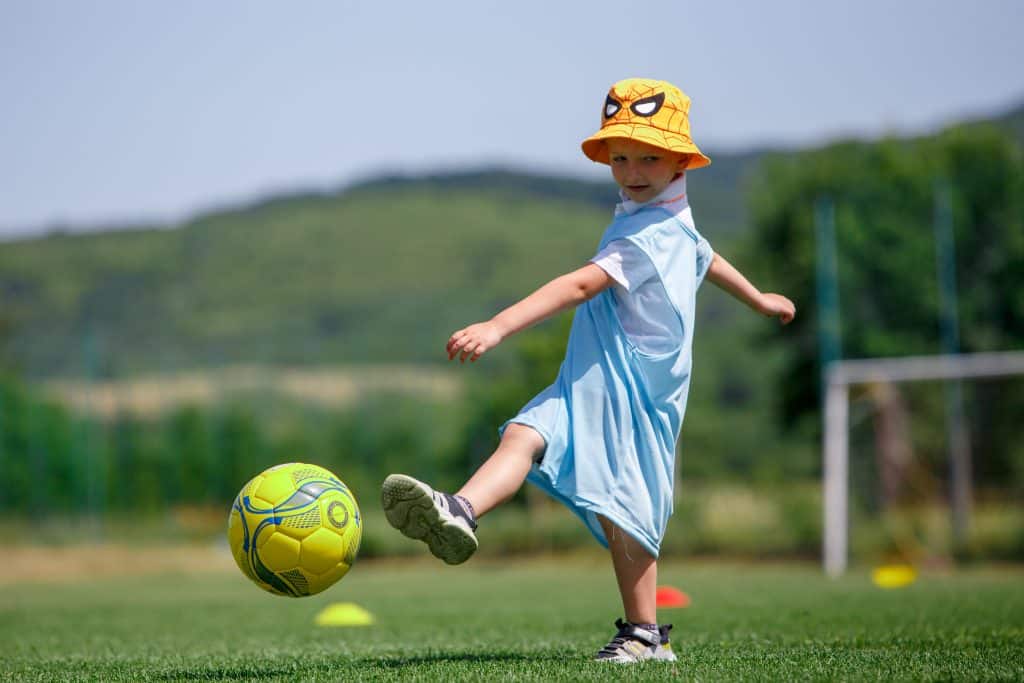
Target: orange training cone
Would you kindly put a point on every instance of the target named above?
(667, 596)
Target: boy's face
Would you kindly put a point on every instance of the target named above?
(642, 170)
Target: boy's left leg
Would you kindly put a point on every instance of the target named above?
(639, 637)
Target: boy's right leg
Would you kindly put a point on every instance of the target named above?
(504, 472)
(445, 522)
(636, 572)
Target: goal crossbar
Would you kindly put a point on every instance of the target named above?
(840, 375)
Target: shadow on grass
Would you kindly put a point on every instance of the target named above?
(244, 673)
(215, 673)
(228, 673)
(461, 657)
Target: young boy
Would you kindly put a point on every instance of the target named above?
(602, 437)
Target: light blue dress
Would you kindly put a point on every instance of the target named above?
(611, 419)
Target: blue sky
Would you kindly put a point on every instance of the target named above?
(115, 112)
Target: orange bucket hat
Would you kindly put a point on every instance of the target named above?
(650, 111)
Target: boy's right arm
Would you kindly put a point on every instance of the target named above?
(561, 293)
(723, 274)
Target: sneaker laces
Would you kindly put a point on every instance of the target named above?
(454, 507)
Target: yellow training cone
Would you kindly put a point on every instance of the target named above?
(344, 614)
(893, 575)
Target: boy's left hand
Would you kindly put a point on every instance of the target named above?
(776, 305)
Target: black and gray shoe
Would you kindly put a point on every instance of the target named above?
(438, 519)
(634, 644)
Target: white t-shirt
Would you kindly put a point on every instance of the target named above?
(646, 314)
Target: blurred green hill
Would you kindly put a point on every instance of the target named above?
(379, 272)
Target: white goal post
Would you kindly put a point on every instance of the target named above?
(840, 375)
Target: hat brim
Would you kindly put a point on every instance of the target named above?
(596, 149)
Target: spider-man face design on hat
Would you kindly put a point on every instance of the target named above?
(648, 106)
(654, 112)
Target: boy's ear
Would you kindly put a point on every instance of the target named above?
(682, 162)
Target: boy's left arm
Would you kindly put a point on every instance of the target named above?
(724, 275)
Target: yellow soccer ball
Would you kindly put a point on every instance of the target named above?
(294, 529)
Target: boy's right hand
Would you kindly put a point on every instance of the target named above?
(473, 341)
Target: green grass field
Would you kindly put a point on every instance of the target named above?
(514, 620)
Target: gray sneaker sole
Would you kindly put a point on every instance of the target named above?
(661, 654)
(409, 507)
(664, 654)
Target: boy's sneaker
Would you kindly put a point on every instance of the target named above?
(440, 520)
(634, 644)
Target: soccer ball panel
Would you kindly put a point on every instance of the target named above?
(235, 529)
(332, 575)
(302, 523)
(353, 537)
(280, 553)
(321, 551)
(275, 487)
(250, 488)
(338, 512)
(262, 534)
(236, 533)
